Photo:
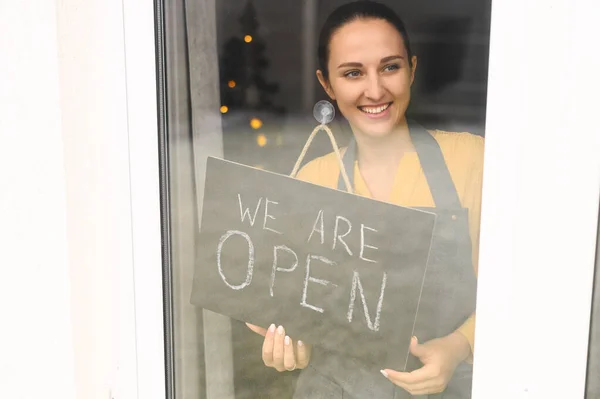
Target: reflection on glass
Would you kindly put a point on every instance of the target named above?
(243, 80)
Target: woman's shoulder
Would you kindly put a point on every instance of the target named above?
(464, 140)
(323, 170)
(460, 145)
(463, 153)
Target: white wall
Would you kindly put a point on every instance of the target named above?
(36, 353)
(67, 292)
(95, 133)
(540, 200)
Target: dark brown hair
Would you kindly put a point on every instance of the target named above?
(361, 9)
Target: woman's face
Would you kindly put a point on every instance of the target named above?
(369, 75)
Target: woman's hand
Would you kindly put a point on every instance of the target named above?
(440, 357)
(281, 352)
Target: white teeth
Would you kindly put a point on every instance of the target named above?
(375, 110)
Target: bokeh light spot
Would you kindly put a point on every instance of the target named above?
(261, 140)
(255, 123)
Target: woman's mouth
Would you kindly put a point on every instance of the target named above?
(375, 111)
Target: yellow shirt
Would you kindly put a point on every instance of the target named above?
(463, 153)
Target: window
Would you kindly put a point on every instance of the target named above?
(241, 85)
(201, 124)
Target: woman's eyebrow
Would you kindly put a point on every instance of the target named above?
(350, 64)
(359, 65)
(390, 58)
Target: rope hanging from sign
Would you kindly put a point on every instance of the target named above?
(324, 113)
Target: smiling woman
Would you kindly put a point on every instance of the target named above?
(367, 68)
(380, 79)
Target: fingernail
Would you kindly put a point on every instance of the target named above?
(300, 343)
(280, 330)
(416, 339)
(384, 373)
(287, 340)
(272, 328)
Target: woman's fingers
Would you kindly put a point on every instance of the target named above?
(268, 345)
(289, 358)
(257, 329)
(278, 349)
(419, 382)
(417, 376)
(424, 388)
(302, 355)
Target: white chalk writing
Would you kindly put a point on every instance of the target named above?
(243, 212)
(337, 237)
(308, 278)
(281, 269)
(362, 242)
(356, 282)
(250, 268)
(267, 216)
(319, 220)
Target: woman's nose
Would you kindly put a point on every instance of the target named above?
(374, 90)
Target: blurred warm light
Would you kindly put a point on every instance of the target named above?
(231, 84)
(261, 140)
(259, 167)
(247, 38)
(224, 109)
(255, 123)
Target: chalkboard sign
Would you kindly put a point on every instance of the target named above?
(337, 270)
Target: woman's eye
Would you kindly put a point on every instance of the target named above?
(352, 74)
(391, 67)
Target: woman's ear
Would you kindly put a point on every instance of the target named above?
(325, 84)
(412, 69)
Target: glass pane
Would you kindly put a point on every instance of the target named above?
(352, 276)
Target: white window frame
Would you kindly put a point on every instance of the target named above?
(141, 80)
(540, 200)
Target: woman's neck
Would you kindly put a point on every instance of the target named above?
(386, 151)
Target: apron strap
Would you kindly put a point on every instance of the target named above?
(434, 166)
(432, 161)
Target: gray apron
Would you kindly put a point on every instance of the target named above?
(448, 297)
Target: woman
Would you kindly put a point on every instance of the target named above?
(367, 68)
